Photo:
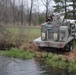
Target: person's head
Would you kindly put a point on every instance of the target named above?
(49, 18)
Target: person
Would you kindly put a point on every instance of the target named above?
(49, 18)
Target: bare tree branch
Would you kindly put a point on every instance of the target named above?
(46, 4)
(43, 2)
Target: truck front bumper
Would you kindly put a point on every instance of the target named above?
(40, 43)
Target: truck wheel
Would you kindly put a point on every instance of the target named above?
(40, 47)
(69, 47)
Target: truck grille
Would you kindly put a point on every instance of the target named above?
(50, 35)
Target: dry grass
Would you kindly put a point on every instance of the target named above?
(23, 37)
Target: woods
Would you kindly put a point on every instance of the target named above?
(29, 12)
(22, 12)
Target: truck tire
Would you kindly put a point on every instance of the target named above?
(69, 47)
(40, 47)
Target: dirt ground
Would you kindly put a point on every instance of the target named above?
(72, 54)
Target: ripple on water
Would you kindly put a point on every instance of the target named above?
(11, 66)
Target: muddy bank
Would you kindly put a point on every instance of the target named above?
(71, 55)
(68, 55)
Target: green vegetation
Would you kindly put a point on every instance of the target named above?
(17, 53)
(57, 61)
(16, 29)
(68, 14)
(24, 34)
(20, 37)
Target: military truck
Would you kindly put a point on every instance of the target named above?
(57, 33)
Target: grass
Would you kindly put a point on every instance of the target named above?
(72, 66)
(57, 61)
(16, 30)
(24, 33)
(17, 53)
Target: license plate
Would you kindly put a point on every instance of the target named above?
(42, 44)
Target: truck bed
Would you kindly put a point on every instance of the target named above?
(50, 43)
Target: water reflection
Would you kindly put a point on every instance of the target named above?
(11, 66)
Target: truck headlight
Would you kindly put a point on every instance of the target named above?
(55, 36)
(43, 36)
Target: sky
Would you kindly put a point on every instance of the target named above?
(41, 6)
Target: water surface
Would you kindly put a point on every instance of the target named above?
(11, 66)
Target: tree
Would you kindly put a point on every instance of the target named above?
(22, 6)
(6, 13)
(14, 12)
(30, 16)
(46, 3)
(61, 5)
(73, 11)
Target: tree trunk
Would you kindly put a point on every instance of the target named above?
(14, 12)
(6, 14)
(65, 10)
(22, 13)
(46, 11)
(30, 18)
(73, 10)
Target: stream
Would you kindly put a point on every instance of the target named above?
(12, 66)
